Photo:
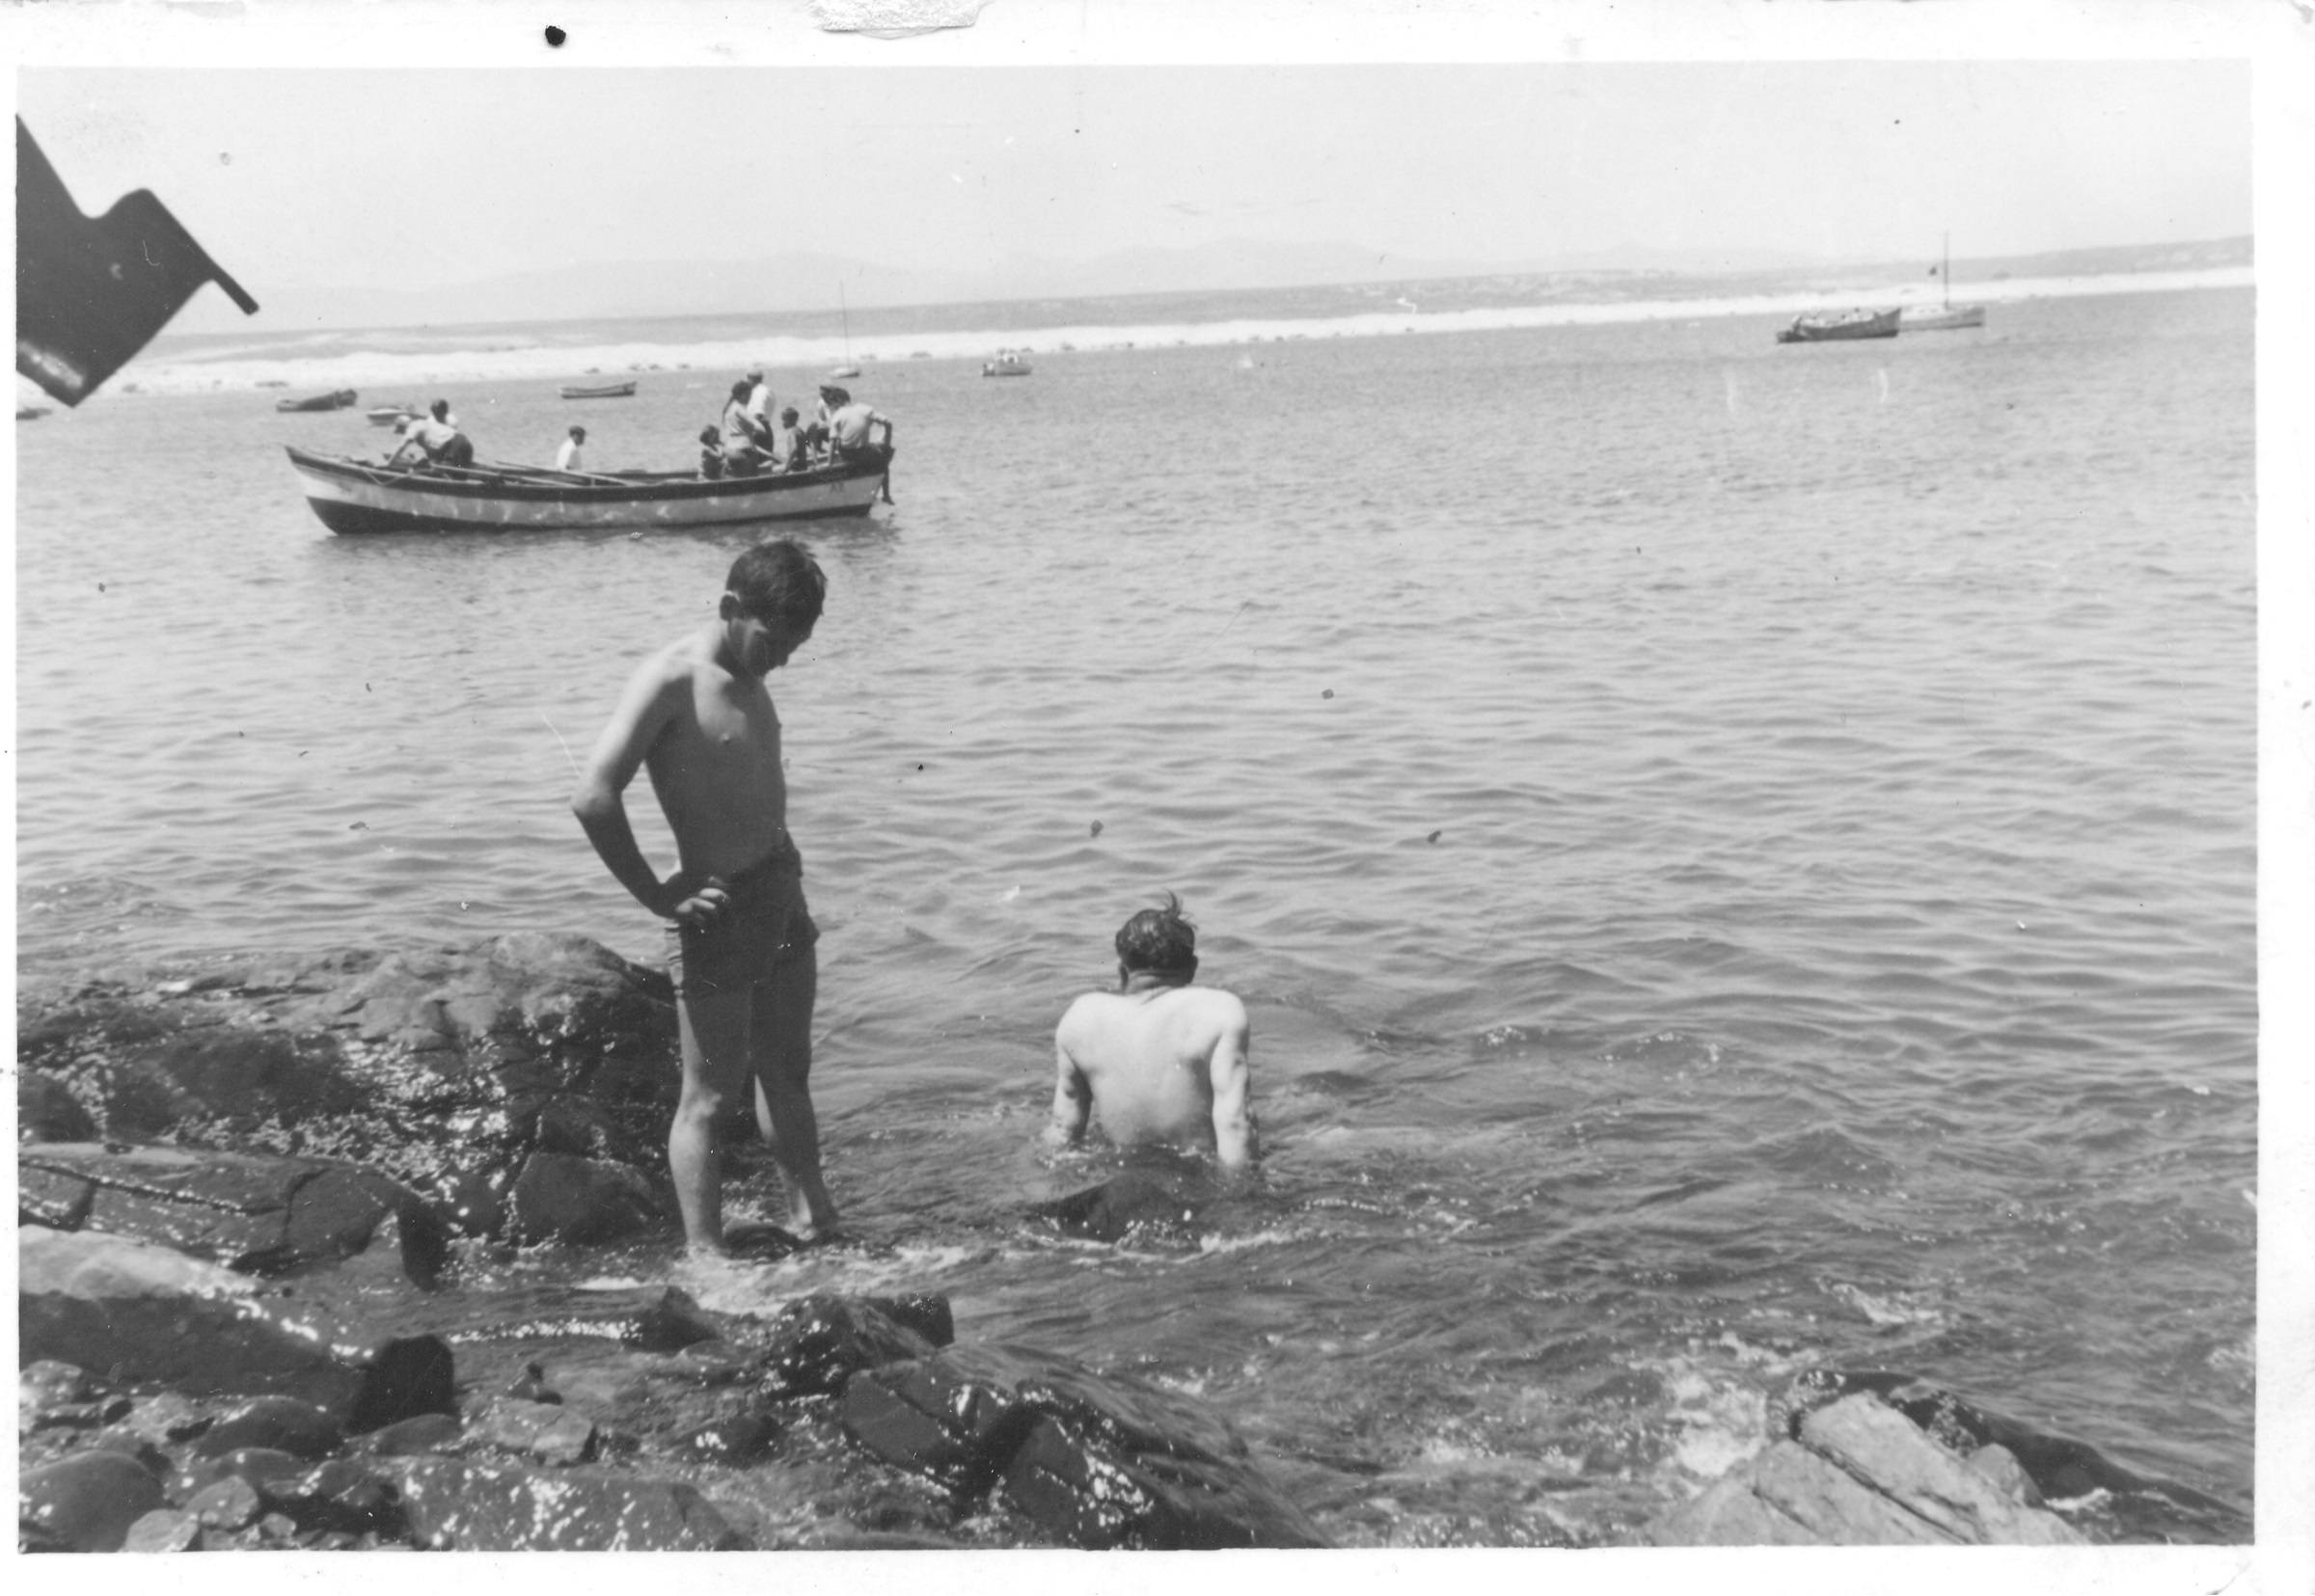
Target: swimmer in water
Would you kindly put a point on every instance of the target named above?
(1157, 1060)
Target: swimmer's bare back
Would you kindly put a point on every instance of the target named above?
(1169, 1066)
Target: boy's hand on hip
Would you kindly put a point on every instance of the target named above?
(694, 904)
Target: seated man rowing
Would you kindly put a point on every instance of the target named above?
(1156, 1060)
(435, 438)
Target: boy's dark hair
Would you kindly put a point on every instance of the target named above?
(778, 578)
(709, 435)
(1159, 940)
(740, 390)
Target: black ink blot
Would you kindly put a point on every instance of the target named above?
(556, 35)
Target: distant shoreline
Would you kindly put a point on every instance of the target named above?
(226, 371)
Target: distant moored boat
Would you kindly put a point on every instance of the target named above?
(343, 399)
(1947, 314)
(1008, 362)
(601, 391)
(1837, 326)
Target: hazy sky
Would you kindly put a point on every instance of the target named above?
(311, 177)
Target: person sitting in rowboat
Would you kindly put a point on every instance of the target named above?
(566, 458)
(430, 440)
(788, 451)
(711, 454)
(847, 431)
(743, 445)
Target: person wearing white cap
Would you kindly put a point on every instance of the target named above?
(759, 399)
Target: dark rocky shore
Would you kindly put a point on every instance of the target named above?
(244, 1190)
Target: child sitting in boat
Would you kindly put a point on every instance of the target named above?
(711, 454)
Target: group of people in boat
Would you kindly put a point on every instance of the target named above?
(749, 442)
(753, 440)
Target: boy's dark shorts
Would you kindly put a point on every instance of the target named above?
(764, 927)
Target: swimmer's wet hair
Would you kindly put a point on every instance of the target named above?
(778, 578)
(1159, 940)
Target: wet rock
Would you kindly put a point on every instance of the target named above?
(545, 1430)
(1999, 1465)
(164, 1417)
(734, 1442)
(926, 1313)
(672, 1323)
(47, 1382)
(256, 1214)
(428, 1432)
(1136, 1203)
(282, 1424)
(448, 1068)
(560, 1198)
(1097, 1461)
(163, 1529)
(531, 1386)
(340, 1497)
(136, 1448)
(85, 1502)
(1861, 1473)
(404, 1377)
(82, 1416)
(260, 1468)
(819, 1342)
(148, 1314)
(46, 1111)
(2061, 1469)
(457, 1505)
(230, 1504)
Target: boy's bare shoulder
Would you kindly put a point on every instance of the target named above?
(1082, 1011)
(1224, 1008)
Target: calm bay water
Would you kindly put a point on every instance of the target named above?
(1741, 857)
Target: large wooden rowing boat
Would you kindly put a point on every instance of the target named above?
(600, 391)
(356, 496)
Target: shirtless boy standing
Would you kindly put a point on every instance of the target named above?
(1156, 1060)
(740, 941)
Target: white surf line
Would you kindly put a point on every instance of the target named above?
(797, 362)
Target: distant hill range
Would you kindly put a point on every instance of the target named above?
(808, 281)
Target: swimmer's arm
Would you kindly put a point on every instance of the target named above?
(1073, 1099)
(645, 708)
(1231, 1073)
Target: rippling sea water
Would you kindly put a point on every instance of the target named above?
(1741, 857)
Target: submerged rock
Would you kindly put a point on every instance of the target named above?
(1132, 1203)
(1095, 1460)
(455, 1505)
(257, 1213)
(1860, 1473)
